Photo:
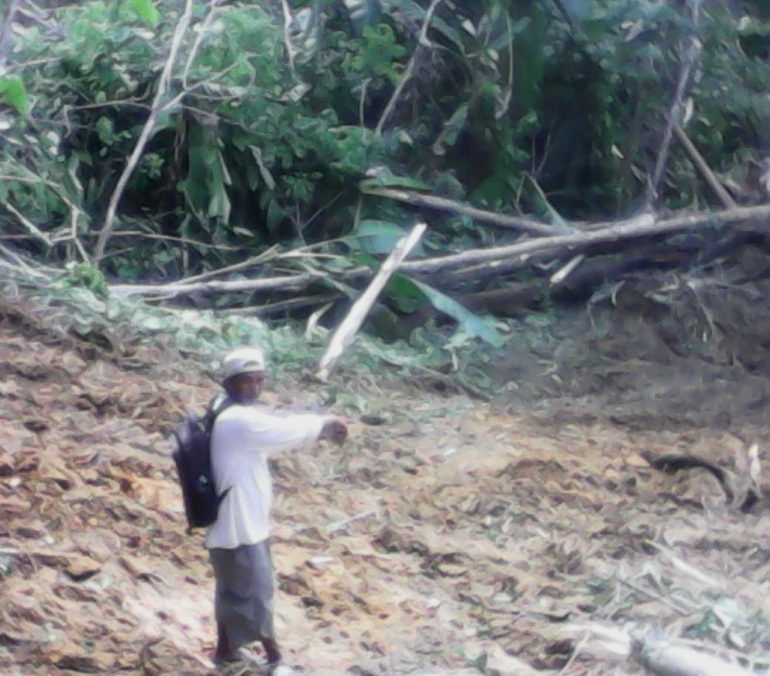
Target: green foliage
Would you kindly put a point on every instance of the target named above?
(146, 12)
(551, 108)
(468, 323)
(377, 54)
(378, 238)
(14, 94)
(87, 277)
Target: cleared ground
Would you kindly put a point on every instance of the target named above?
(454, 536)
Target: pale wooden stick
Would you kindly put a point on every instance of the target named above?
(347, 330)
(703, 168)
(171, 290)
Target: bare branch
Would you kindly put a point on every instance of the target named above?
(691, 49)
(443, 204)
(422, 43)
(198, 40)
(171, 290)
(703, 168)
(290, 51)
(502, 258)
(144, 137)
(28, 225)
(608, 232)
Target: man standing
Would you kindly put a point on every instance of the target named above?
(244, 436)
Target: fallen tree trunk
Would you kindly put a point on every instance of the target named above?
(669, 659)
(570, 243)
(556, 245)
(657, 654)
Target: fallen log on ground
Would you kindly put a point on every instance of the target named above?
(658, 655)
(665, 658)
(627, 230)
(554, 245)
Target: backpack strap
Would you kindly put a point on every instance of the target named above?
(212, 412)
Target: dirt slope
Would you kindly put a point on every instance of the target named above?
(453, 538)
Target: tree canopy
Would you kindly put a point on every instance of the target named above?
(155, 140)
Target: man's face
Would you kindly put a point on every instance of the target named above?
(246, 387)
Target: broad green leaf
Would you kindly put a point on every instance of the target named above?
(146, 11)
(472, 324)
(578, 9)
(452, 130)
(404, 294)
(219, 205)
(378, 237)
(554, 216)
(267, 177)
(14, 93)
(504, 40)
(105, 128)
(452, 34)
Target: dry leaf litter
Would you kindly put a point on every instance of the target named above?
(452, 540)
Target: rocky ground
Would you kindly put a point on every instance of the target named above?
(451, 537)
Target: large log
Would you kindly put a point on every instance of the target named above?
(560, 244)
(556, 245)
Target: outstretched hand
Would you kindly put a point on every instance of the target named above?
(335, 430)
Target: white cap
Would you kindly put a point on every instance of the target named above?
(243, 360)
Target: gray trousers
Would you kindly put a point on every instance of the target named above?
(244, 592)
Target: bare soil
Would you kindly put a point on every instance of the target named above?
(456, 537)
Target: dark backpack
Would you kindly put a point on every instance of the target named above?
(192, 457)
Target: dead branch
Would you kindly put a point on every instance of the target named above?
(691, 51)
(158, 108)
(443, 204)
(20, 264)
(669, 659)
(347, 330)
(624, 230)
(502, 258)
(422, 43)
(202, 34)
(288, 305)
(703, 168)
(144, 137)
(28, 225)
(291, 52)
(249, 262)
(655, 653)
(171, 290)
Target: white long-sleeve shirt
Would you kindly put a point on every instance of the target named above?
(243, 438)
